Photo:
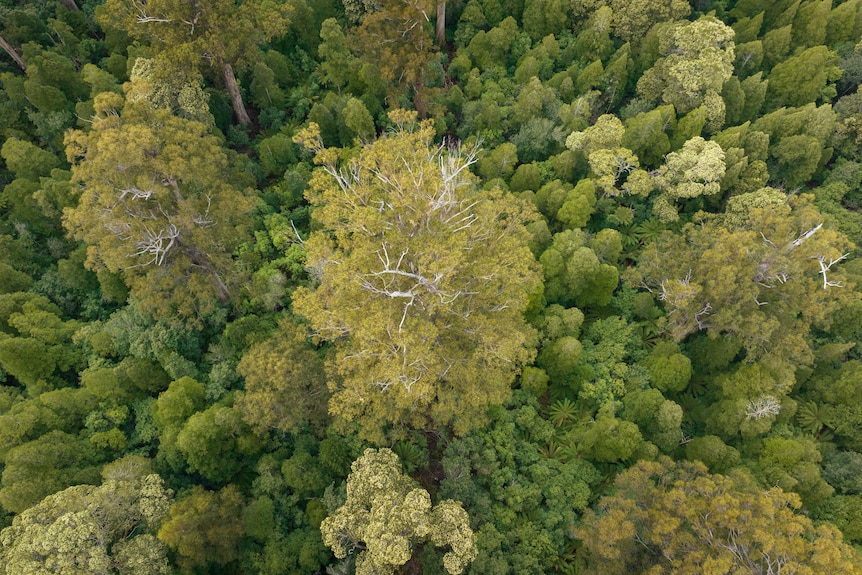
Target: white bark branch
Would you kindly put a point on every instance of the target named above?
(824, 267)
(156, 244)
(764, 406)
(804, 236)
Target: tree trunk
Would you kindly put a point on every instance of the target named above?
(222, 292)
(70, 4)
(13, 53)
(202, 261)
(235, 96)
(441, 23)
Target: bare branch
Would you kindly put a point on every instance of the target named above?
(156, 244)
(703, 312)
(804, 236)
(296, 232)
(135, 193)
(763, 406)
(146, 19)
(204, 220)
(13, 53)
(767, 240)
(824, 267)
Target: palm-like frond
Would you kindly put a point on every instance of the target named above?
(812, 417)
(563, 412)
(649, 231)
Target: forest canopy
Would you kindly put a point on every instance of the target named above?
(501, 287)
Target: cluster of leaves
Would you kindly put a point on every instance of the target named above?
(294, 286)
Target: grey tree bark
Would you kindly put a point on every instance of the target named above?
(235, 96)
(441, 23)
(7, 47)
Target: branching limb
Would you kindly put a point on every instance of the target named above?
(824, 267)
(156, 244)
(764, 406)
(804, 236)
(204, 220)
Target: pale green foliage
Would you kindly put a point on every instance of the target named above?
(164, 88)
(766, 280)
(614, 167)
(169, 218)
(693, 171)
(739, 206)
(698, 59)
(86, 530)
(632, 19)
(426, 311)
(611, 166)
(141, 555)
(385, 513)
(607, 132)
(677, 519)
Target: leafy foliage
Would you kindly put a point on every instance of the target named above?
(676, 517)
(406, 233)
(189, 305)
(384, 512)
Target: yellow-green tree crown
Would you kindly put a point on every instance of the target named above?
(423, 282)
